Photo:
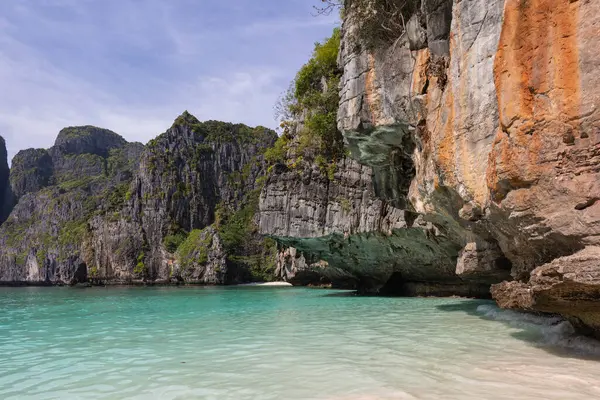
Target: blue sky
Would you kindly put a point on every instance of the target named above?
(134, 65)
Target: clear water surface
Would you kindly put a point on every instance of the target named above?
(279, 343)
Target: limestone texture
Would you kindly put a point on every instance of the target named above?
(96, 208)
(5, 191)
(478, 130)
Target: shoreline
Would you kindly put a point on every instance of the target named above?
(140, 284)
(263, 284)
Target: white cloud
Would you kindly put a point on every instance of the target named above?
(240, 97)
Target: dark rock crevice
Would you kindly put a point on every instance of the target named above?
(6, 196)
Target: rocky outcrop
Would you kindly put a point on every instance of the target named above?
(474, 159)
(340, 230)
(59, 190)
(202, 259)
(190, 176)
(503, 132)
(187, 172)
(5, 192)
(31, 171)
(386, 94)
(480, 121)
(96, 207)
(87, 140)
(568, 285)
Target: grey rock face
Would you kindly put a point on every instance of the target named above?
(87, 140)
(31, 171)
(46, 237)
(213, 268)
(185, 173)
(394, 238)
(342, 231)
(96, 207)
(304, 203)
(439, 16)
(416, 32)
(5, 192)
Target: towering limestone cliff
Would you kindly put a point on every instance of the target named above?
(479, 122)
(96, 207)
(190, 209)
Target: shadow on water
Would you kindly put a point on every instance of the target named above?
(546, 334)
(469, 307)
(345, 293)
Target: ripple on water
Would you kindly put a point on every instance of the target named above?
(281, 343)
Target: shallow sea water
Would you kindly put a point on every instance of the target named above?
(281, 343)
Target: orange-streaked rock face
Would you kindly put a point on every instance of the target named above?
(544, 169)
(538, 85)
(507, 134)
(545, 162)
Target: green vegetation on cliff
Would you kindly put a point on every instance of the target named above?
(173, 241)
(96, 201)
(243, 244)
(87, 174)
(203, 180)
(221, 132)
(243, 247)
(194, 249)
(308, 111)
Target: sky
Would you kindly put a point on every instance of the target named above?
(133, 66)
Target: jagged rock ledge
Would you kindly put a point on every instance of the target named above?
(342, 231)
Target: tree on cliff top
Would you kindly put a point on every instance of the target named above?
(377, 22)
(329, 6)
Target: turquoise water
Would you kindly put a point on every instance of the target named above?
(278, 343)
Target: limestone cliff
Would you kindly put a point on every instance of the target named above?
(58, 190)
(472, 159)
(506, 131)
(96, 207)
(194, 176)
(480, 120)
(5, 192)
(356, 239)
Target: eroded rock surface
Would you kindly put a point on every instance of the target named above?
(507, 136)
(396, 113)
(5, 191)
(339, 229)
(46, 237)
(481, 121)
(474, 143)
(96, 207)
(568, 285)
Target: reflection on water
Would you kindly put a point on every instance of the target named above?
(280, 343)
